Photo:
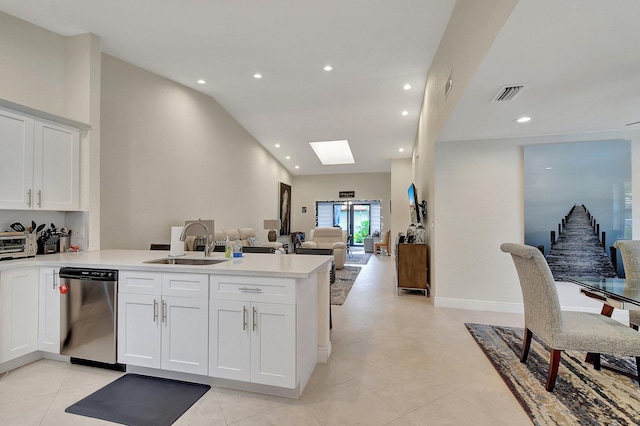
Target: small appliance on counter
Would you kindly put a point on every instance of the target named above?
(14, 245)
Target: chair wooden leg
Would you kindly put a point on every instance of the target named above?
(554, 363)
(526, 344)
(596, 361)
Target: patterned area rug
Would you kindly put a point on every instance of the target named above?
(358, 258)
(345, 278)
(582, 395)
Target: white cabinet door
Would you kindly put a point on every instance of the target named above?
(16, 161)
(139, 329)
(18, 313)
(273, 344)
(230, 340)
(253, 342)
(49, 319)
(56, 167)
(185, 334)
(158, 326)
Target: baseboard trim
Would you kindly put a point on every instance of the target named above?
(19, 361)
(324, 353)
(517, 308)
(478, 305)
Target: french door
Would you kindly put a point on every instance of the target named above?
(359, 218)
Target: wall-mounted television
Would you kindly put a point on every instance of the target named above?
(414, 208)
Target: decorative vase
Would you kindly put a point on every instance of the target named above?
(411, 233)
(421, 235)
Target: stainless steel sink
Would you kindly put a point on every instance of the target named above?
(186, 261)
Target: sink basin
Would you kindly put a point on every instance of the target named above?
(186, 261)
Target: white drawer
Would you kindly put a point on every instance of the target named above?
(139, 282)
(254, 289)
(185, 285)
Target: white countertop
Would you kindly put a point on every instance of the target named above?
(281, 265)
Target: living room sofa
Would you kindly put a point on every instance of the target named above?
(247, 237)
(329, 238)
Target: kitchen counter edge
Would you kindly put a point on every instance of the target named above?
(283, 265)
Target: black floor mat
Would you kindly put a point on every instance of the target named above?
(137, 400)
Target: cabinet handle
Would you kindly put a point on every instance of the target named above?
(164, 311)
(251, 290)
(254, 319)
(40, 198)
(29, 198)
(244, 318)
(55, 284)
(155, 310)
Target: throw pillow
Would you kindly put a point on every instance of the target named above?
(254, 242)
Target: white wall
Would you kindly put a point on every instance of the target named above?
(479, 205)
(33, 66)
(470, 33)
(400, 181)
(52, 75)
(306, 190)
(169, 153)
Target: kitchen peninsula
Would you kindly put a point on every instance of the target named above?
(258, 323)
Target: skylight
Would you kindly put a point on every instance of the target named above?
(333, 152)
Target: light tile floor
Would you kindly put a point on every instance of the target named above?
(397, 360)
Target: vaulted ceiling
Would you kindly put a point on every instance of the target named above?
(577, 61)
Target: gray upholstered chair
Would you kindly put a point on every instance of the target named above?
(630, 253)
(563, 330)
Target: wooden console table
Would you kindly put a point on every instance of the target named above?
(411, 267)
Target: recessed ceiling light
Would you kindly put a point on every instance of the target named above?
(333, 152)
(548, 168)
(328, 67)
(201, 81)
(401, 150)
(297, 167)
(288, 157)
(523, 119)
(405, 112)
(257, 75)
(406, 86)
(277, 145)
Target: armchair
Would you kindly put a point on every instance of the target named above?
(329, 238)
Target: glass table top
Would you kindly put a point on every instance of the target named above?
(618, 288)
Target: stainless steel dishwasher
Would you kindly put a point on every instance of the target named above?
(88, 316)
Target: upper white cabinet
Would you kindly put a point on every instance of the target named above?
(39, 165)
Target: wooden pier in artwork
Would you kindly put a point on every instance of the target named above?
(580, 249)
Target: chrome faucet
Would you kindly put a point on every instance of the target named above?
(207, 248)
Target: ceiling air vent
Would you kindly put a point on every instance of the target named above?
(508, 93)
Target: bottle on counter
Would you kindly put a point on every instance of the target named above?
(237, 249)
(227, 248)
